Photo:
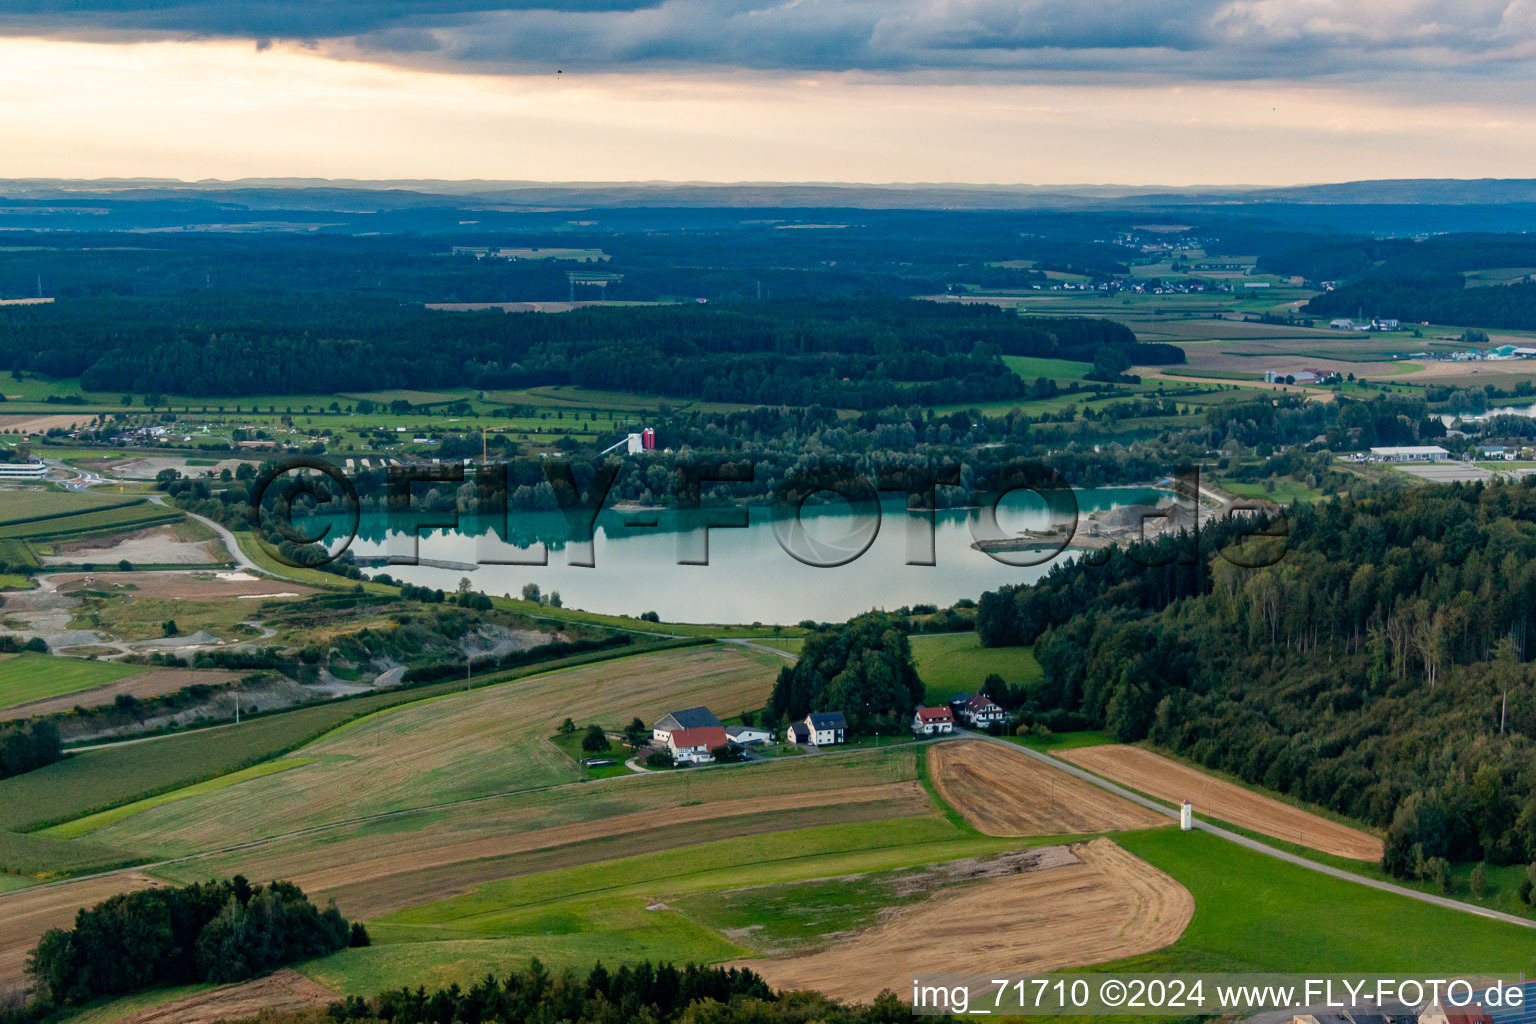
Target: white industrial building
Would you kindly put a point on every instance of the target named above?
(23, 470)
(1416, 453)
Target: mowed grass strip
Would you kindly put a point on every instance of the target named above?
(98, 780)
(951, 663)
(29, 677)
(95, 822)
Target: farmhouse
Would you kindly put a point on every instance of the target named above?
(1416, 453)
(981, 711)
(690, 718)
(747, 735)
(932, 721)
(694, 746)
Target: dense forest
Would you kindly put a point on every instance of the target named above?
(643, 992)
(865, 353)
(862, 668)
(1441, 299)
(1381, 668)
(219, 931)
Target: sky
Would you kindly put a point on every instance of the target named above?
(1169, 92)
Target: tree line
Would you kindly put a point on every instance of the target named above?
(1380, 668)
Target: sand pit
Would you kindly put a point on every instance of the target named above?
(1006, 792)
(25, 915)
(285, 990)
(157, 546)
(143, 686)
(1107, 905)
(177, 585)
(1168, 780)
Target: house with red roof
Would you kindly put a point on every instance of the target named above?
(695, 746)
(932, 721)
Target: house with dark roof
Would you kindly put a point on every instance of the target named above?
(798, 733)
(697, 745)
(747, 735)
(689, 718)
(827, 727)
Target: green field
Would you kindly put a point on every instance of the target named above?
(26, 506)
(1255, 913)
(1030, 367)
(951, 663)
(43, 857)
(1284, 490)
(573, 916)
(16, 552)
(108, 777)
(108, 520)
(29, 677)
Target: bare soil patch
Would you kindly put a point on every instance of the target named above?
(283, 991)
(1103, 905)
(25, 915)
(157, 546)
(43, 424)
(148, 684)
(1006, 792)
(1168, 780)
(185, 586)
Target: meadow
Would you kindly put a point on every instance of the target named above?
(951, 663)
(96, 780)
(98, 521)
(448, 748)
(21, 506)
(29, 677)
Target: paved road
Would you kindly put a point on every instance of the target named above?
(1253, 844)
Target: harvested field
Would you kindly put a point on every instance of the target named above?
(1168, 780)
(1104, 905)
(184, 586)
(285, 990)
(43, 424)
(153, 683)
(25, 915)
(1006, 792)
(456, 747)
(907, 797)
(654, 795)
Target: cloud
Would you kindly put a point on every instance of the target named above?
(1158, 39)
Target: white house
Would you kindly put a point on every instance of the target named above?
(696, 746)
(982, 711)
(689, 718)
(933, 721)
(822, 728)
(747, 735)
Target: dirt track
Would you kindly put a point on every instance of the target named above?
(179, 585)
(1008, 793)
(1224, 801)
(145, 685)
(1109, 905)
(285, 990)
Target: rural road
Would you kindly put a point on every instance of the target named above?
(1253, 844)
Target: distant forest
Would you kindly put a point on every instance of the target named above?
(864, 352)
(1382, 668)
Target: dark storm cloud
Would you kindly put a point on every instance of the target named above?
(1238, 39)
